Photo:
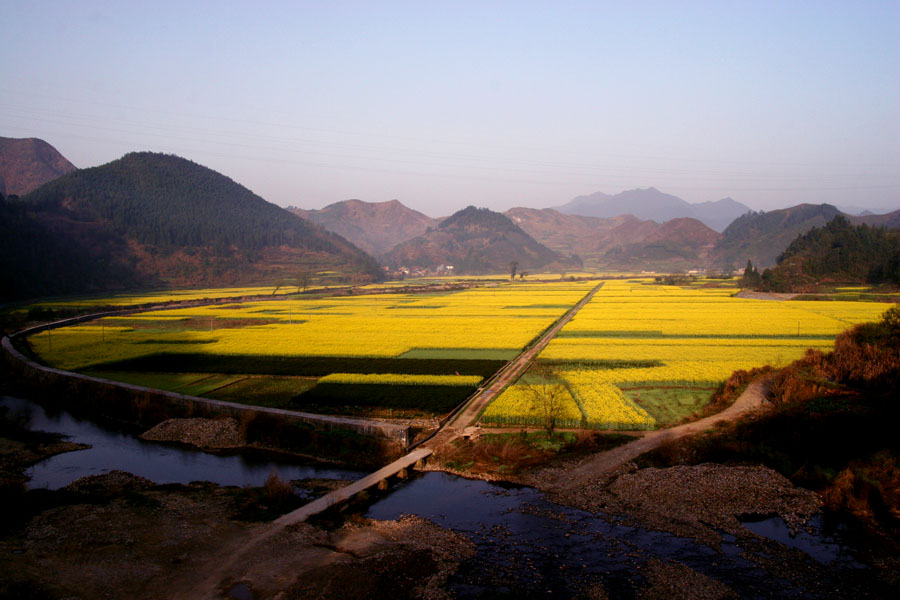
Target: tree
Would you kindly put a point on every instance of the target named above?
(513, 265)
(751, 278)
(548, 393)
(303, 280)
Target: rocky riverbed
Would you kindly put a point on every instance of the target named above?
(700, 501)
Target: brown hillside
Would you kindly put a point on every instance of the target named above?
(375, 227)
(477, 241)
(620, 242)
(26, 164)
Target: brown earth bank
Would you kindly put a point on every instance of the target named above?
(120, 536)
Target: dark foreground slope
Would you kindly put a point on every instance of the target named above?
(152, 219)
(831, 427)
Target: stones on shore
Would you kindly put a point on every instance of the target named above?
(699, 501)
(204, 433)
(109, 484)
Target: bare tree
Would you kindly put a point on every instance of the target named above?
(302, 280)
(548, 393)
(513, 265)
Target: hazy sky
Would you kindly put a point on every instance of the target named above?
(497, 104)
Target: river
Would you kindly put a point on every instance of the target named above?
(162, 463)
(526, 545)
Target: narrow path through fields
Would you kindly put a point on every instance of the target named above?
(601, 465)
(510, 372)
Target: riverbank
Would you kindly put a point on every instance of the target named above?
(122, 536)
(118, 535)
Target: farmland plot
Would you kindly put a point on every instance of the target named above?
(646, 340)
(380, 355)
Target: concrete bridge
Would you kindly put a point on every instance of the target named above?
(398, 469)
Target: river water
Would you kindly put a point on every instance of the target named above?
(526, 545)
(531, 547)
(162, 463)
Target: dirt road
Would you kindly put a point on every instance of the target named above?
(600, 465)
(512, 371)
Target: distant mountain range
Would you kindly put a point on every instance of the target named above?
(654, 205)
(26, 164)
(152, 219)
(621, 242)
(477, 240)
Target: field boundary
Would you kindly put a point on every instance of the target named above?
(120, 394)
(471, 410)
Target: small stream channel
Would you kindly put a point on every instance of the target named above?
(526, 545)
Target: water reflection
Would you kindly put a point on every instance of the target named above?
(160, 463)
(527, 544)
(815, 539)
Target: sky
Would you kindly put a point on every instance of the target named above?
(496, 104)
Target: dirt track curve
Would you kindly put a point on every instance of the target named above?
(600, 465)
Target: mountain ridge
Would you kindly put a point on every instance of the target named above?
(28, 163)
(375, 227)
(621, 242)
(158, 219)
(652, 204)
(474, 241)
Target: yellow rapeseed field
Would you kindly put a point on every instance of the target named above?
(604, 405)
(633, 334)
(518, 405)
(637, 334)
(501, 319)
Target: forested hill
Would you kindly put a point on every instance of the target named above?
(837, 252)
(169, 201)
(170, 220)
(762, 236)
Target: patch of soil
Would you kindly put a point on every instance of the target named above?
(203, 433)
